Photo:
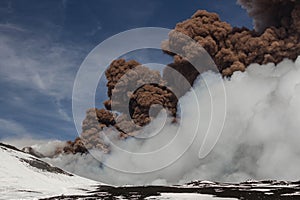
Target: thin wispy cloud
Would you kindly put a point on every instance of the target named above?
(11, 27)
(12, 128)
(36, 76)
(46, 68)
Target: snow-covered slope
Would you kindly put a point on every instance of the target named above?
(23, 176)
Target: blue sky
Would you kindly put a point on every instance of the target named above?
(43, 42)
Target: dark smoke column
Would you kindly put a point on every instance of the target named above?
(276, 37)
(133, 90)
(277, 13)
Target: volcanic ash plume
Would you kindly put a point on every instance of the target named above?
(130, 85)
(136, 94)
(277, 13)
(233, 49)
(262, 107)
(133, 89)
(259, 139)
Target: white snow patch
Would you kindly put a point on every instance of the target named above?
(292, 194)
(187, 196)
(19, 180)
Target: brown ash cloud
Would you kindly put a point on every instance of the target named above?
(277, 13)
(233, 49)
(276, 37)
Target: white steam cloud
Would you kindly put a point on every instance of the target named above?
(260, 138)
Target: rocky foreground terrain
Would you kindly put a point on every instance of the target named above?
(24, 176)
(198, 190)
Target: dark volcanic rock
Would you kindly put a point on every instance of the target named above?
(44, 166)
(251, 190)
(33, 162)
(33, 152)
